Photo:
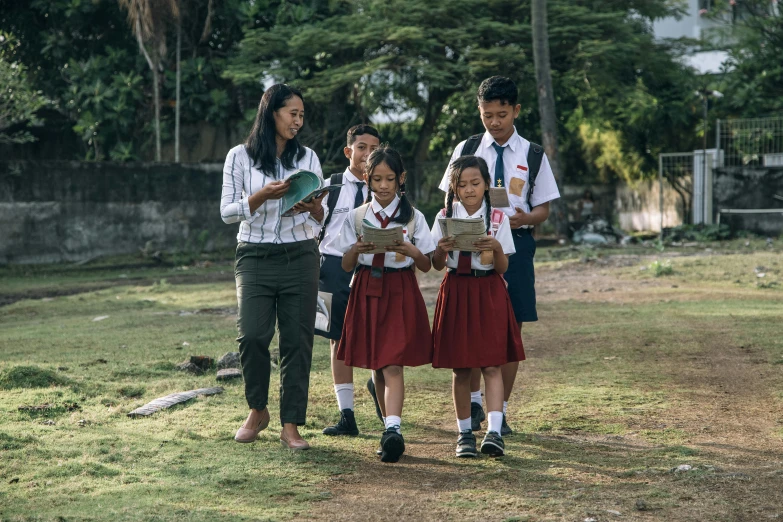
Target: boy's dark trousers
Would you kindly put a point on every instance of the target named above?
(277, 282)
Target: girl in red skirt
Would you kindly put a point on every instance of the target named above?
(474, 323)
(386, 323)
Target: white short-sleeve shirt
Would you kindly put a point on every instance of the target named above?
(503, 235)
(515, 171)
(266, 225)
(422, 237)
(344, 205)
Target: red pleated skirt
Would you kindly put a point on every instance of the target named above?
(390, 330)
(474, 324)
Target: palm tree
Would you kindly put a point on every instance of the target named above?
(546, 101)
(178, 18)
(147, 21)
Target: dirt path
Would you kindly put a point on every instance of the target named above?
(729, 412)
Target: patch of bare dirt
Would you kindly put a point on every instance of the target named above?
(725, 400)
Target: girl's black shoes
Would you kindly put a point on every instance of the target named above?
(346, 426)
(392, 445)
(466, 444)
(493, 445)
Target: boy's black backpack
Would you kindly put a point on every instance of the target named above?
(534, 157)
(331, 202)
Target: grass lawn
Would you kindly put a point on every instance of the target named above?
(632, 371)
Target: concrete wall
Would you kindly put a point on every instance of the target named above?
(638, 206)
(750, 188)
(70, 211)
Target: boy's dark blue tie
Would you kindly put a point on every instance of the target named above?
(359, 199)
(499, 175)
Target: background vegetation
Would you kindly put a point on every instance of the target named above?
(621, 95)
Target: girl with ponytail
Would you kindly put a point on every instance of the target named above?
(386, 324)
(474, 324)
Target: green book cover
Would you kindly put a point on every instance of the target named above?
(305, 186)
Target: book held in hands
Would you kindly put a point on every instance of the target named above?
(465, 232)
(380, 237)
(305, 186)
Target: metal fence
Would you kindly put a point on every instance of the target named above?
(750, 142)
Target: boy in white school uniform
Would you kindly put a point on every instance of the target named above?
(511, 160)
(361, 141)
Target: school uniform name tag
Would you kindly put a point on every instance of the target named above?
(498, 197)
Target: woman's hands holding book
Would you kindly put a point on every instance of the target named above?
(313, 207)
(273, 190)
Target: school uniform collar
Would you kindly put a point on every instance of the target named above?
(389, 210)
(514, 141)
(478, 214)
(348, 176)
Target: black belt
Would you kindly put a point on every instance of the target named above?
(519, 232)
(474, 272)
(386, 269)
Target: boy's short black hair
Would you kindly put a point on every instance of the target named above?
(358, 130)
(497, 88)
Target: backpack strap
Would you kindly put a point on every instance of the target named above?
(358, 217)
(496, 219)
(331, 202)
(411, 226)
(471, 145)
(535, 155)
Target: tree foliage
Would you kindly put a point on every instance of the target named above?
(621, 96)
(753, 82)
(19, 101)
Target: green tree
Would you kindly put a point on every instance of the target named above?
(80, 55)
(147, 20)
(753, 83)
(611, 78)
(19, 101)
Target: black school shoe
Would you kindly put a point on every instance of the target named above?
(505, 429)
(466, 444)
(371, 389)
(346, 426)
(392, 445)
(477, 415)
(493, 445)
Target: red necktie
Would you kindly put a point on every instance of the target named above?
(375, 285)
(463, 263)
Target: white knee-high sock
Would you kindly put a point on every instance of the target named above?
(495, 421)
(463, 424)
(505, 407)
(475, 396)
(344, 394)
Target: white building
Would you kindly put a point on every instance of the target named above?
(697, 24)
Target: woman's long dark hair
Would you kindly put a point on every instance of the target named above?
(456, 169)
(260, 144)
(392, 158)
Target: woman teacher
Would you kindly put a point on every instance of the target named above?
(277, 262)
